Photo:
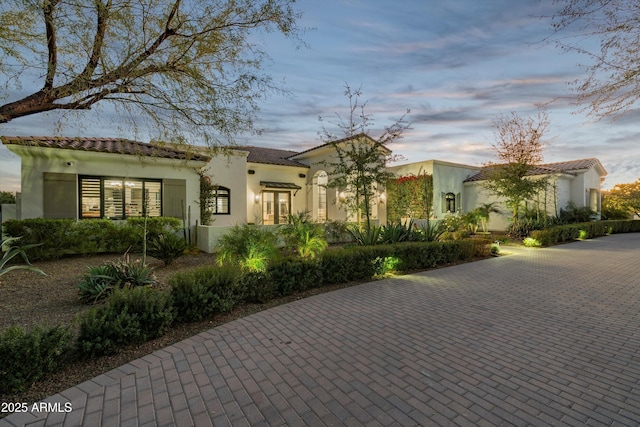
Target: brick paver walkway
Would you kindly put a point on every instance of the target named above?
(542, 337)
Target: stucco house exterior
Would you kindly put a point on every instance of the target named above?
(459, 188)
(84, 178)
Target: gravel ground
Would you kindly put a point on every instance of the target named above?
(28, 299)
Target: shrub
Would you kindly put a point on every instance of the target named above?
(205, 292)
(257, 287)
(531, 242)
(303, 237)
(129, 316)
(26, 357)
(97, 284)
(167, 247)
(50, 233)
(59, 237)
(367, 237)
(573, 215)
(495, 248)
(337, 231)
(102, 280)
(13, 252)
(291, 275)
(396, 232)
(249, 246)
(431, 231)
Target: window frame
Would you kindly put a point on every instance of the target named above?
(213, 203)
(121, 214)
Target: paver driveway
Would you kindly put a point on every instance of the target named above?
(545, 336)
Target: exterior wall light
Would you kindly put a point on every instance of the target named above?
(256, 198)
(383, 197)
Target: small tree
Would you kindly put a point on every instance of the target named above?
(359, 169)
(625, 198)
(518, 150)
(484, 211)
(7, 197)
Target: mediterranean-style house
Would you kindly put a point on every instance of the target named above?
(83, 178)
(459, 188)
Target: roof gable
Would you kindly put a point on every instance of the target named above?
(341, 141)
(271, 156)
(105, 145)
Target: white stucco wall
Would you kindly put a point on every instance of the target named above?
(319, 159)
(275, 173)
(36, 161)
(230, 170)
(447, 178)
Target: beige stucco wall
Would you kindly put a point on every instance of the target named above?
(38, 160)
(276, 173)
(230, 170)
(320, 159)
(447, 178)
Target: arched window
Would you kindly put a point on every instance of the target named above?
(220, 202)
(322, 181)
(450, 202)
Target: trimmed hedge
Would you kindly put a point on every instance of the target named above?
(205, 292)
(365, 262)
(588, 230)
(59, 237)
(129, 316)
(25, 357)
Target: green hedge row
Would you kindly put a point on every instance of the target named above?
(25, 357)
(583, 230)
(136, 315)
(59, 237)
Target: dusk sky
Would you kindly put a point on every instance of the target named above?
(456, 65)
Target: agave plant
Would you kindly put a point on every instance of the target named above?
(368, 237)
(13, 252)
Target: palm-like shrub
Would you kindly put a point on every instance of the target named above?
(167, 247)
(303, 237)
(248, 246)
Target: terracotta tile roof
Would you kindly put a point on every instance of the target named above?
(339, 141)
(568, 167)
(270, 156)
(105, 145)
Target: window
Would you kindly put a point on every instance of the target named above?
(219, 204)
(321, 182)
(450, 200)
(119, 198)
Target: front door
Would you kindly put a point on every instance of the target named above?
(276, 206)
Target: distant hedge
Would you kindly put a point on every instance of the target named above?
(588, 230)
(59, 237)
